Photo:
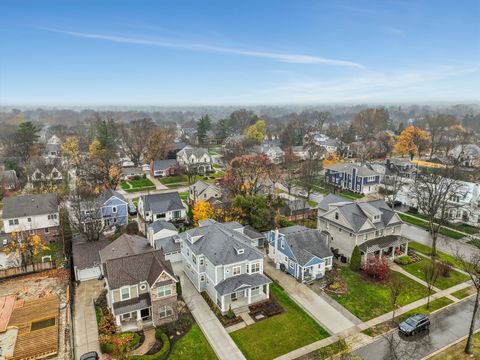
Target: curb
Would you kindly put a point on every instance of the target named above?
(448, 346)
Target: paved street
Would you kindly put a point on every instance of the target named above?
(447, 326)
(217, 336)
(84, 319)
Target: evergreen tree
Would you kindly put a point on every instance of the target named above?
(356, 259)
(203, 126)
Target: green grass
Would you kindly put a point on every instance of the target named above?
(434, 305)
(460, 227)
(217, 166)
(424, 224)
(98, 314)
(474, 242)
(183, 195)
(312, 203)
(368, 299)
(137, 185)
(135, 201)
(174, 181)
(215, 150)
(462, 294)
(350, 194)
(426, 250)
(193, 345)
(443, 282)
(54, 250)
(456, 352)
(279, 334)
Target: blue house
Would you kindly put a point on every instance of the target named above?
(110, 207)
(300, 251)
(353, 177)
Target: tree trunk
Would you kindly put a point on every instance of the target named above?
(468, 346)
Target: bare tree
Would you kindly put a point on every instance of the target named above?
(472, 267)
(395, 288)
(393, 184)
(436, 196)
(134, 138)
(308, 175)
(430, 272)
(85, 213)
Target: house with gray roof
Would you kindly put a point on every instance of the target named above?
(219, 258)
(165, 206)
(356, 178)
(164, 235)
(300, 251)
(201, 191)
(195, 160)
(140, 282)
(110, 208)
(36, 213)
(371, 225)
(163, 168)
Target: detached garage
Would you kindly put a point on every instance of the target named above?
(86, 259)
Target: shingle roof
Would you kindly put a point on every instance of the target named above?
(218, 243)
(160, 203)
(30, 205)
(160, 225)
(331, 199)
(306, 243)
(168, 244)
(86, 254)
(141, 302)
(243, 281)
(197, 152)
(107, 194)
(294, 207)
(131, 270)
(348, 167)
(132, 170)
(125, 245)
(382, 242)
(163, 164)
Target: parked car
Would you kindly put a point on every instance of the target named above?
(92, 355)
(132, 210)
(414, 324)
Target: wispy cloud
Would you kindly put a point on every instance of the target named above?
(276, 56)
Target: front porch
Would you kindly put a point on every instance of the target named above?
(391, 247)
(243, 298)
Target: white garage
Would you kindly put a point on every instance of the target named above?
(86, 259)
(87, 274)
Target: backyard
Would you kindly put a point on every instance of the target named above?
(192, 345)
(280, 334)
(135, 185)
(368, 299)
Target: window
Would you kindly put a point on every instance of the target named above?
(29, 219)
(54, 216)
(166, 311)
(365, 237)
(194, 259)
(350, 234)
(125, 293)
(201, 262)
(13, 222)
(47, 230)
(339, 229)
(202, 278)
(126, 316)
(143, 287)
(114, 209)
(255, 268)
(255, 290)
(237, 270)
(282, 244)
(164, 290)
(176, 214)
(336, 215)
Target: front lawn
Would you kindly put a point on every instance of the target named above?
(368, 299)
(350, 194)
(443, 282)
(427, 250)
(174, 181)
(137, 185)
(455, 352)
(183, 195)
(424, 225)
(280, 334)
(193, 345)
(460, 227)
(461, 294)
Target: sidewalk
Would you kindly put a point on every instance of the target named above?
(217, 336)
(333, 320)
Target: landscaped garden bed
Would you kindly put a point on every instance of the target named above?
(280, 334)
(226, 320)
(265, 309)
(427, 251)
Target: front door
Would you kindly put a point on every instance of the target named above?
(233, 296)
(145, 313)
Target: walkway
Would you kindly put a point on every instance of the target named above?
(333, 320)
(147, 343)
(158, 184)
(84, 319)
(217, 336)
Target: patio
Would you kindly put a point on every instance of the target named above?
(390, 246)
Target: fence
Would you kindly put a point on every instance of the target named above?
(15, 271)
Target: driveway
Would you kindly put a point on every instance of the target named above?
(331, 318)
(217, 336)
(84, 319)
(446, 327)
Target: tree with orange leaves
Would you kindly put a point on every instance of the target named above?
(25, 246)
(412, 141)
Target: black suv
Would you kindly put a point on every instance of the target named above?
(92, 355)
(414, 324)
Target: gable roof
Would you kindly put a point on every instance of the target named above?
(125, 245)
(86, 254)
(107, 194)
(331, 199)
(294, 207)
(160, 203)
(235, 283)
(160, 225)
(30, 205)
(197, 152)
(133, 269)
(164, 164)
(348, 168)
(306, 243)
(168, 244)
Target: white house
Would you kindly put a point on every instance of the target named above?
(166, 206)
(195, 159)
(164, 235)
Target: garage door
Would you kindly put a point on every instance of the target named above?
(88, 273)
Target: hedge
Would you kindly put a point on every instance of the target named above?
(162, 353)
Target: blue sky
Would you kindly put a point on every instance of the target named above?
(238, 52)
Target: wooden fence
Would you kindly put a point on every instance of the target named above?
(15, 271)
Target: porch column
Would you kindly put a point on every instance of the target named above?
(223, 303)
(249, 294)
(118, 321)
(406, 248)
(301, 269)
(268, 291)
(139, 316)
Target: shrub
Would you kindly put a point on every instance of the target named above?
(404, 260)
(181, 325)
(107, 325)
(230, 314)
(376, 268)
(445, 268)
(356, 259)
(162, 353)
(283, 222)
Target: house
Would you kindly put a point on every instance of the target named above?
(112, 208)
(140, 283)
(86, 258)
(353, 177)
(465, 155)
(201, 191)
(129, 173)
(178, 145)
(400, 167)
(7, 260)
(37, 214)
(195, 160)
(219, 259)
(371, 225)
(46, 174)
(9, 180)
(164, 235)
(297, 209)
(163, 168)
(166, 206)
(273, 152)
(300, 251)
(300, 152)
(322, 141)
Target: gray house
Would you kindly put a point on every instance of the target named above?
(164, 235)
(166, 206)
(371, 225)
(219, 258)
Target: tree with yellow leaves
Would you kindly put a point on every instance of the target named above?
(70, 149)
(412, 141)
(25, 246)
(102, 167)
(330, 159)
(256, 132)
(202, 210)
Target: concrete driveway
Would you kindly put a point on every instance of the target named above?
(84, 319)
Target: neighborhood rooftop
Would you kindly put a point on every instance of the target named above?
(29, 205)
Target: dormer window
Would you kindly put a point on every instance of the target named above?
(376, 218)
(240, 251)
(336, 215)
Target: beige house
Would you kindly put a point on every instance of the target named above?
(201, 191)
